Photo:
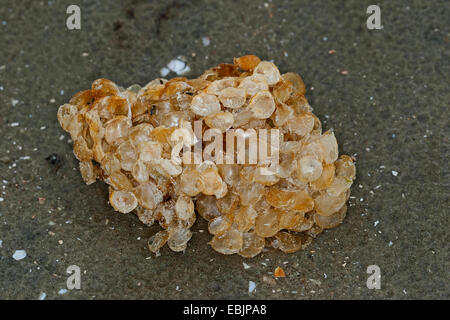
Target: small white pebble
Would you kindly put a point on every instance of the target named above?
(251, 286)
(43, 128)
(14, 102)
(52, 100)
(19, 254)
(390, 244)
(206, 41)
(246, 266)
(1, 199)
(376, 223)
(62, 291)
(176, 65)
(1, 243)
(394, 173)
(42, 296)
(14, 124)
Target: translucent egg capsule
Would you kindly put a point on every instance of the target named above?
(289, 219)
(127, 155)
(220, 225)
(309, 169)
(166, 215)
(81, 150)
(244, 218)
(328, 222)
(233, 98)
(247, 63)
(157, 241)
(221, 120)
(66, 115)
(211, 183)
(262, 105)
(249, 193)
(206, 207)
(104, 87)
(282, 114)
(252, 245)
(123, 201)
(267, 224)
(325, 179)
(218, 86)
(326, 204)
(300, 124)
(82, 98)
(254, 84)
(229, 173)
(345, 167)
(146, 216)
(205, 104)
(88, 172)
(117, 129)
(329, 147)
(229, 243)
(228, 203)
(148, 150)
(190, 182)
(282, 91)
(184, 208)
(339, 185)
(288, 242)
(269, 71)
(296, 81)
(148, 195)
(178, 238)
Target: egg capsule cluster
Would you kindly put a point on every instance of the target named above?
(125, 137)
